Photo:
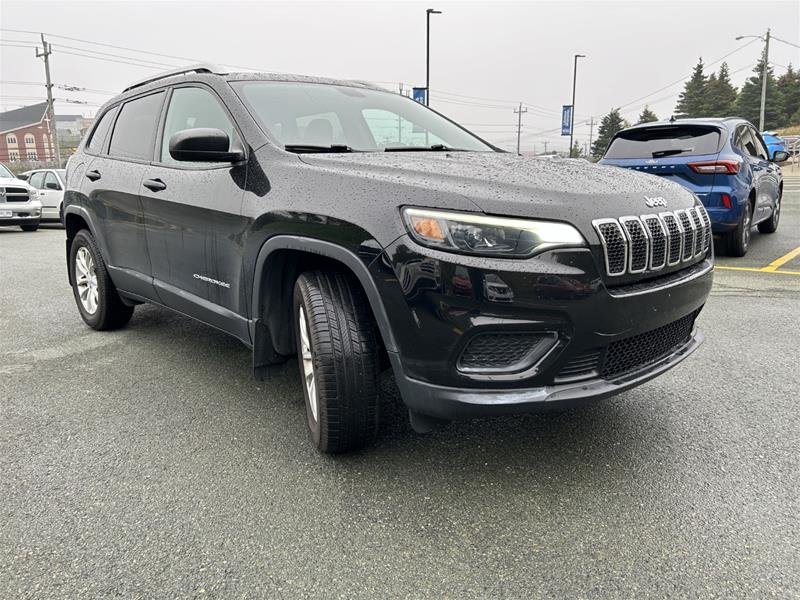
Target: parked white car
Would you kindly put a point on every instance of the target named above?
(19, 204)
(49, 185)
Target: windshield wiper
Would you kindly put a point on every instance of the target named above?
(312, 148)
(660, 153)
(434, 148)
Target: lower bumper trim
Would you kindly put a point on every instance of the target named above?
(453, 403)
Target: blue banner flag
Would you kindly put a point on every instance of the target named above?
(566, 119)
(420, 94)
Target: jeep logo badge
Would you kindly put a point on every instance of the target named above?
(655, 201)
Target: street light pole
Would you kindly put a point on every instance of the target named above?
(428, 14)
(572, 116)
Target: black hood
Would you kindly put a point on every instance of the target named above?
(508, 184)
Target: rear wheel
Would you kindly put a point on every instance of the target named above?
(29, 227)
(771, 224)
(338, 356)
(739, 238)
(98, 302)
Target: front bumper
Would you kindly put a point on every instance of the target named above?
(439, 304)
(21, 214)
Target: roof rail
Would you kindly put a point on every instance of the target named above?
(198, 68)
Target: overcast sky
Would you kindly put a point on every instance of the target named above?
(485, 56)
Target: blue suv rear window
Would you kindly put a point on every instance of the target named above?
(665, 141)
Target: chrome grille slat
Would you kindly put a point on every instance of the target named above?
(636, 244)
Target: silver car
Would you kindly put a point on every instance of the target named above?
(49, 184)
(19, 205)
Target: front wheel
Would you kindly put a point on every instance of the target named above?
(739, 238)
(338, 356)
(771, 224)
(98, 302)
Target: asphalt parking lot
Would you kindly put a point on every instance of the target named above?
(148, 463)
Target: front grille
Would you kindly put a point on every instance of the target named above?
(650, 242)
(637, 351)
(14, 194)
(629, 354)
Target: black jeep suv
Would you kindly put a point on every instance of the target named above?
(358, 229)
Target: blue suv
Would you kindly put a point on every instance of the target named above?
(725, 162)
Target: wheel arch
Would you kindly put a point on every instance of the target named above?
(75, 219)
(281, 259)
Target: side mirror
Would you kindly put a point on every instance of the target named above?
(23, 176)
(780, 156)
(203, 145)
(50, 185)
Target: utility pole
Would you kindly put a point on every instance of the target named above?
(764, 83)
(591, 131)
(45, 54)
(519, 112)
(428, 14)
(545, 146)
(572, 116)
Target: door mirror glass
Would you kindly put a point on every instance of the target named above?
(202, 144)
(780, 156)
(52, 185)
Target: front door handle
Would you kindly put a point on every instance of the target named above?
(93, 175)
(155, 185)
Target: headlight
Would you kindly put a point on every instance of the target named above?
(470, 233)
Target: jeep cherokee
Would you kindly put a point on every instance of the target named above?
(357, 229)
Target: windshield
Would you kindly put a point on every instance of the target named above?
(307, 117)
(4, 172)
(664, 141)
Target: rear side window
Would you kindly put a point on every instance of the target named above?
(665, 141)
(135, 131)
(101, 131)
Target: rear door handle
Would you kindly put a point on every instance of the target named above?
(93, 175)
(155, 185)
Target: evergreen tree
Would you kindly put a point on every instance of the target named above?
(647, 116)
(577, 150)
(691, 102)
(789, 89)
(720, 95)
(748, 104)
(611, 124)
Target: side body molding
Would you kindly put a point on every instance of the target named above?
(329, 250)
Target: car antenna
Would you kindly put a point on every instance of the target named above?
(672, 119)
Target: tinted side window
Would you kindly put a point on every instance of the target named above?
(747, 143)
(135, 130)
(37, 180)
(761, 149)
(190, 108)
(101, 131)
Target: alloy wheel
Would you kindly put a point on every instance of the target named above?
(308, 364)
(86, 280)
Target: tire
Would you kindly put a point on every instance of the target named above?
(29, 227)
(339, 349)
(86, 264)
(771, 224)
(739, 238)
